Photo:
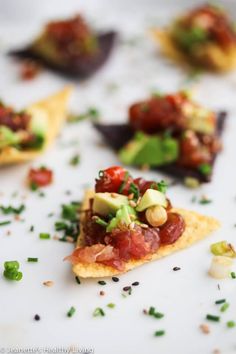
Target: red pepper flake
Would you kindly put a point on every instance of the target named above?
(29, 70)
(40, 177)
(204, 328)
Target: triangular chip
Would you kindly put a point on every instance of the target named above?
(54, 109)
(197, 227)
(213, 57)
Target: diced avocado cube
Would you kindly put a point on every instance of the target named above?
(150, 198)
(8, 137)
(122, 216)
(105, 203)
(152, 150)
(38, 126)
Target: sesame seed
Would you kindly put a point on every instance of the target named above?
(48, 283)
(127, 288)
(176, 268)
(115, 279)
(136, 283)
(37, 317)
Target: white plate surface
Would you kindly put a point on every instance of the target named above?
(186, 296)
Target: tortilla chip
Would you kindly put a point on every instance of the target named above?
(197, 227)
(209, 56)
(55, 109)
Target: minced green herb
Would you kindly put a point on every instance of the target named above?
(75, 160)
(98, 312)
(44, 236)
(92, 113)
(11, 270)
(32, 259)
(71, 312)
(12, 210)
(69, 224)
(159, 333)
(231, 324)
(3, 223)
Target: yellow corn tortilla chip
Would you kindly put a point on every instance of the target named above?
(54, 110)
(197, 227)
(209, 56)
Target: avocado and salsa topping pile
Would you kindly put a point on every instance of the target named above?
(169, 132)
(127, 219)
(70, 46)
(21, 130)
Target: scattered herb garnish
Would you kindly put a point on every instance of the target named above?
(221, 301)
(162, 186)
(3, 223)
(71, 312)
(122, 186)
(44, 236)
(11, 270)
(31, 259)
(133, 189)
(205, 169)
(231, 324)
(159, 333)
(205, 200)
(111, 305)
(101, 222)
(75, 160)
(70, 223)
(12, 210)
(224, 307)
(98, 312)
(233, 275)
(152, 312)
(92, 114)
(213, 318)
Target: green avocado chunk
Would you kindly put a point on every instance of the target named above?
(106, 203)
(38, 127)
(153, 150)
(122, 216)
(150, 198)
(8, 137)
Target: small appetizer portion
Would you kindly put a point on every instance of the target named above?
(126, 222)
(203, 37)
(70, 47)
(171, 133)
(26, 134)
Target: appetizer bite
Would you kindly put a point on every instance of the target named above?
(171, 133)
(71, 47)
(126, 222)
(26, 134)
(203, 37)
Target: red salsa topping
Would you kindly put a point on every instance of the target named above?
(13, 120)
(171, 114)
(72, 37)
(40, 177)
(124, 243)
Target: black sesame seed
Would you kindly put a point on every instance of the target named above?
(136, 283)
(37, 318)
(101, 282)
(115, 279)
(127, 288)
(176, 268)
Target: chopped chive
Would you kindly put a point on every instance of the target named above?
(233, 275)
(224, 307)
(3, 223)
(71, 312)
(11, 271)
(205, 200)
(77, 280)
(101, 222)
(75, 160)
(111, 305)
(159, 333)
(151, 311)
(101, 282)
(158, 315)
(231, 324)
(205, 169)
(12, 210)
(221, 301)
(213, 318)
(31, 259)
(98, 312)
(44, 236)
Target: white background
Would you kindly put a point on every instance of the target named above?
(186, 296)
